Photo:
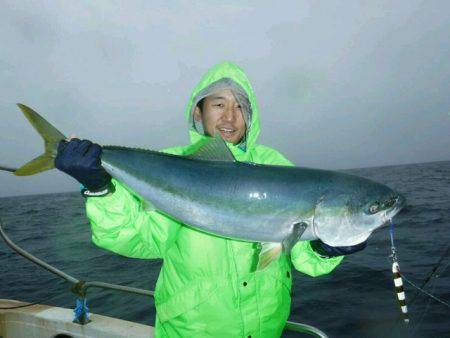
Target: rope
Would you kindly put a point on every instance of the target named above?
(81, 312)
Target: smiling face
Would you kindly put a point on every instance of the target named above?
(220, 112)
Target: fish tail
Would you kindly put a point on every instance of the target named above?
(400, 292)
(51, 137)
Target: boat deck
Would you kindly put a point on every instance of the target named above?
(44, 321)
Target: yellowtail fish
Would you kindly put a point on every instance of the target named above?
(211, 191)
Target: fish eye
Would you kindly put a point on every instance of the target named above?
(374, 208)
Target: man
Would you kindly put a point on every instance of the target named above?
(208, 286)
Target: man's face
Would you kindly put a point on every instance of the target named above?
(222, 113)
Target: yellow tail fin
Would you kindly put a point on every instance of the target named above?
(51, 137)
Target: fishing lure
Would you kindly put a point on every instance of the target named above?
(398, 281)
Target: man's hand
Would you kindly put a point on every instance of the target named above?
(332, 251)
(81, 160)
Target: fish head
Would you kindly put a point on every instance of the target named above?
(348, 216)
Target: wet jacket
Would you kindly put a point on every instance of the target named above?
(207, 286)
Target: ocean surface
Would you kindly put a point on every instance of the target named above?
(355, 300)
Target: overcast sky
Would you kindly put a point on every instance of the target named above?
(339, 84)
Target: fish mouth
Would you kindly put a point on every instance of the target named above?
(400, 202)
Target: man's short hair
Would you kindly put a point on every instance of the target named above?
(201, 103)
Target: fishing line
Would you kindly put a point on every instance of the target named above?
(422, 316)
(398, 277)
(426, 292)
(432, 273)
(420, 289)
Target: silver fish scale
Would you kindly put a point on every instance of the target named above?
(239, 200)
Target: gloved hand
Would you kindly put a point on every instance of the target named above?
(81, 160)
(332, 251)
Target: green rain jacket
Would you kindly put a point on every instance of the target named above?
(207, 286)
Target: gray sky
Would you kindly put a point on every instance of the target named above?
(339, 84)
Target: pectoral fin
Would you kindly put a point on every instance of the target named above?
(269, 252)
(272, 251)
(297, 232)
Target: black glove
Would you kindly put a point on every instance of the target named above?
(81, 160)
(332, 251)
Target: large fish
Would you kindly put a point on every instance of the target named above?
(211, 191)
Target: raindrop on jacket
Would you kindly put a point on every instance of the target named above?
(207, 286)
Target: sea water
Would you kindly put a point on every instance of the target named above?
(355, 300)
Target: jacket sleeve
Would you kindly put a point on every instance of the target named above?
(303, 257)
(120, 223)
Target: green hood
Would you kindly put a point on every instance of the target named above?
(207, 286)
(220, 71)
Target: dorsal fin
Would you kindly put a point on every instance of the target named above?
(212, 149)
